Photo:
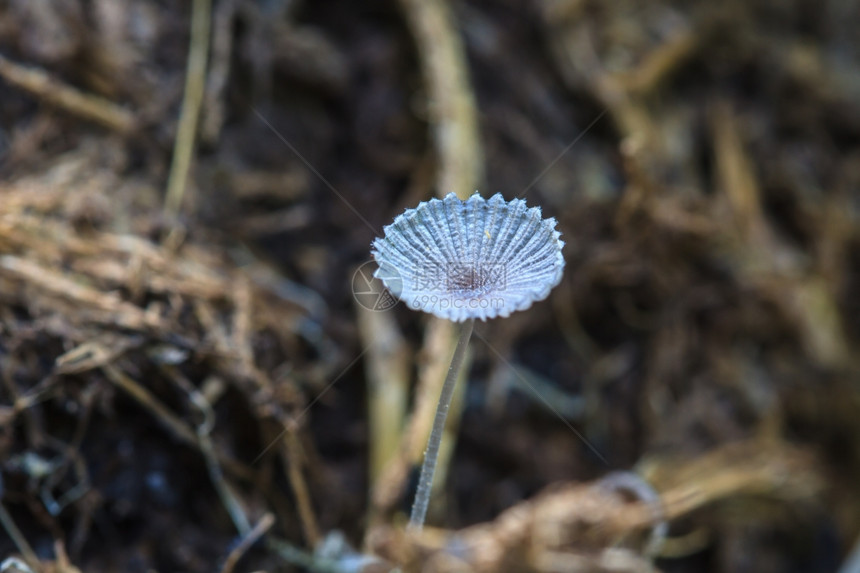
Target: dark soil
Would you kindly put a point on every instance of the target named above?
(174, 377)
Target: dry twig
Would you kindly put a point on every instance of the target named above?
(388, 369)
(195, 85)
(55, 92)
(248, 540)
(581, 522)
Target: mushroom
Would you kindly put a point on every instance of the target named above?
(462, 260)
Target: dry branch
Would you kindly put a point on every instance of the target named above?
(583, 522)
(57, 93)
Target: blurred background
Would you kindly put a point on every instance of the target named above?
(197, 373)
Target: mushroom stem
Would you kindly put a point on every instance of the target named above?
(428, 468)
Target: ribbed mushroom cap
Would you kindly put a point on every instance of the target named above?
(470, 259)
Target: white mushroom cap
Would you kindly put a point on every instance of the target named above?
(470, 259)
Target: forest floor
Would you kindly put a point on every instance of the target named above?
(192, 380)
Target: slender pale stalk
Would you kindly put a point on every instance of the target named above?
(428, 468)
